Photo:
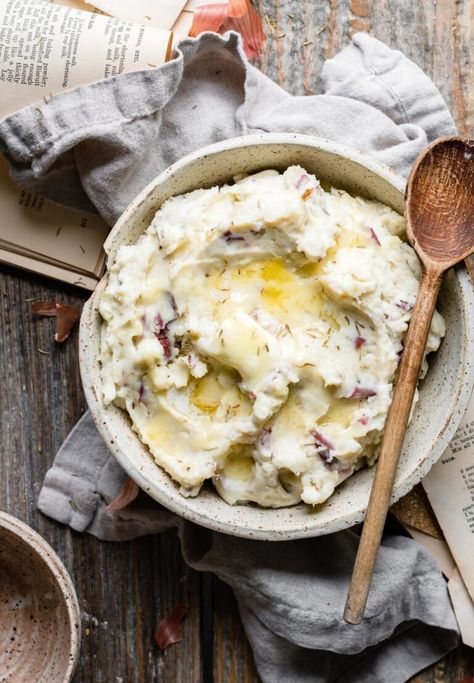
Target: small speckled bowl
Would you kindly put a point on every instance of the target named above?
(40, 627)
(443, 394)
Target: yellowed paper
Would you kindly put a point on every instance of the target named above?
(46, 48)
(182, 26)
(450, 489)
(75, 4)
(462, 604)
(436, 547)
(30, 224)
(48, 270)
(463, 607)
(159, 13)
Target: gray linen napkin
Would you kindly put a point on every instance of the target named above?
(97, 146)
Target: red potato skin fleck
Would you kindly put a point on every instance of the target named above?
(362, 392)
(161, 333)
(303, 180)
(374, 236)
(321, 440)
(404, 305)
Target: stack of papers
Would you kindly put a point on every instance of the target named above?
(79, 48)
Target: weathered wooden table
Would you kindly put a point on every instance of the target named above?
(124, 589)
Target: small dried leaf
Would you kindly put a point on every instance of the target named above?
(44, 308)
(125, 496)
(66, 318)
(169, 628)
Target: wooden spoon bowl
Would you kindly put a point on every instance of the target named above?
(440, 202)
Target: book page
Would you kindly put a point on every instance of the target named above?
(48, 270)
(47, 48)
(159, 13)
(450, 489)
(31, 224)
(463, 607)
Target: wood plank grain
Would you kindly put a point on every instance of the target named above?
(123, 588)
(233, 661)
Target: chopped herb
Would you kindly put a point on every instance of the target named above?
(232, 237)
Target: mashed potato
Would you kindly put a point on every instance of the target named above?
(253, 335)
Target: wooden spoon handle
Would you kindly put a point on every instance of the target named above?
(395, 427)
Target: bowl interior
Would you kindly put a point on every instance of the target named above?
(443, 395)
(39, 633)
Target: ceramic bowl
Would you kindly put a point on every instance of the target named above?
(443, 394)
(40, 627)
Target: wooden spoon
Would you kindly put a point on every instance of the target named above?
(439, 213)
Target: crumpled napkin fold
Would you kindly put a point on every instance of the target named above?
(96, 147)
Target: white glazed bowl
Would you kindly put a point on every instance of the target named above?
(443, 394)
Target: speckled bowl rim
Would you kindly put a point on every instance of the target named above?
(180, 505)
(64, 582)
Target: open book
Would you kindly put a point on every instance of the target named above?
(46, 48)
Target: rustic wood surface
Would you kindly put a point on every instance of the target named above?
(124, 589)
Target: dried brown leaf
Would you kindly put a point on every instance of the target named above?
(169, 628)
(44, 308)
(66, 316)
(125, 496)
